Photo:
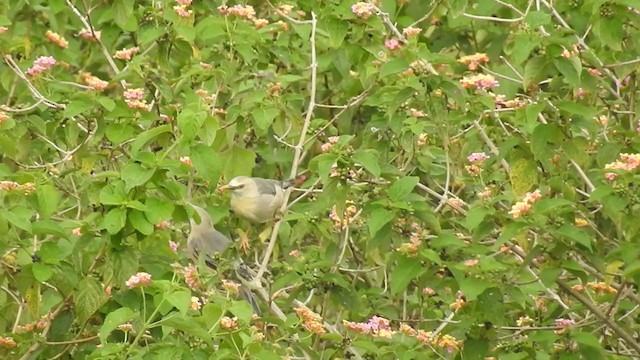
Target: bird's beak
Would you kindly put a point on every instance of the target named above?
(224, 187)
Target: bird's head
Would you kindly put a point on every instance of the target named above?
(239, 185)
(202, 220)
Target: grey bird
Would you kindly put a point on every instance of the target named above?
(256, 199)
(205, 241)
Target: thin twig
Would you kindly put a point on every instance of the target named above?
(298, 149)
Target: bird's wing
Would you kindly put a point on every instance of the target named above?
(267, 186)
(206, 244)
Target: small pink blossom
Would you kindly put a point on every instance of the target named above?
(41, 64)
(137, 93)
(428, 291)
(163, 224)
(3, 29)
(411, 31)
(471, 263)
(107, 290)
(140, 279)
(480, 81)
(191, 277)
(392, 44)
(57, 39)
(173, 246)
(362, 9)
(474, 61)
(184, 2)
(186, 160)
(195, 303)
(87, 35)
(522, 207)
(205, 65)
(260, 23)
(182, 11)
(126, 54)
(77, 231)
(294, 253)
(478, 157)
(230, 286)
(228, 323)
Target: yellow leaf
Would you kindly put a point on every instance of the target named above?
(523, 176)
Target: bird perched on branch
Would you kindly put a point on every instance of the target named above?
(256, 199)
(205, 241)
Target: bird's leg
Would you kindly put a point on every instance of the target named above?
(244, 241)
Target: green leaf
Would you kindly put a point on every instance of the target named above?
(48, 199)
(48, 227)
(42, 272)
(77, 106)
(180, 299)
(242, 310)
(240, 161)
(118, 133)
(378, 219)
(457, 7)
(537, 18)
(123, 15)
(575, 234)
(158, 210)
(89, 298)
(18, 217)
(115, 220)
(472, 287)
(523, 176)
(140, 222)
(190, 123)
(113, 320)
(571, 70)
(113, 194)
(406, 270)
(575, 108)
(368, 161)
(403, 187)
(143, 138)
(475, 216)
(394, 66)
(189, 327)
(106, 103)
(136, 175)
(534, 71)
(263, 116)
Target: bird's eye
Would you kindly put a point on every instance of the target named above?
(239, 186)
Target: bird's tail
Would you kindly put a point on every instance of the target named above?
(251, 299)
(296, 181)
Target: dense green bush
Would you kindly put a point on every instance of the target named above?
(466, 170)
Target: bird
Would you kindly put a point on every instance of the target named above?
(205, 241)
(256, 199)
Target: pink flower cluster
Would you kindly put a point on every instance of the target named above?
(229, 323)
(181, 8)
(95, 82)
(135, 99)
(376, 326)
(328, 145)
(563, 324)
(87, 35)
(7, 342)
(480, 81)
(126, 54)
(42, 64)
(140, 279)
(392, 44)
(57, 39)
(195, 303)
(477, 158)
(3, 116)
(415, 240)
(346, 219)
(173, 246)
(231, 287)
(411, 31)
(245, 11)
(311, 321)
(626, 162)
(191, 277)
(186, 160)
(474, 61)
(27, 187)
(501, 102)
(522, 207)
(3, 29)
(362, 9)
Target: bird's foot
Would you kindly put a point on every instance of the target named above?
(245, 244)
